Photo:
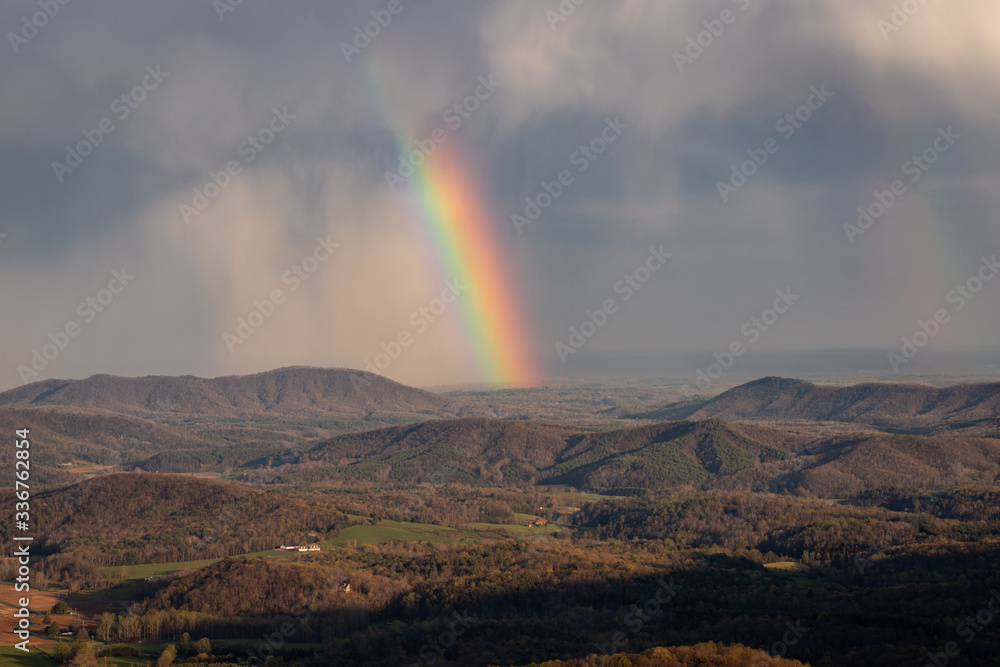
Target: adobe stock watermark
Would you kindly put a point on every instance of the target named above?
(87, 310)
(901, 15)
(562, 13)
(752, 330)
(582, 158)
(914, 168)
(420, 321)
(787, 126)
(957, 298)
(465, 457)
(454, 117)
(364, 35)
(638, 616)
(697, 44)
(795, 632)
(223, 7)
(249, 148)
(294, 278)
(277, 639)
(628, 286)
(37, 21)
(435, 649)
(122, 107)
(968, 630)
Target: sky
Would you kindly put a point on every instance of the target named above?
(638, 179)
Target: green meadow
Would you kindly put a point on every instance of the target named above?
(379, 533)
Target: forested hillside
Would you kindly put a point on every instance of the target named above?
(707, 455)
(130, 518)
(913, 408)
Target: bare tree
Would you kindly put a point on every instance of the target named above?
(105, 623)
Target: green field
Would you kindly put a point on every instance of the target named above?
(792, 570)
(787, 566)
(519, 529)
(139, 572)
(15, 658)
(151, 649)
(380, 533)
(386, 531)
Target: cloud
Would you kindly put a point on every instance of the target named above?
(324, 176)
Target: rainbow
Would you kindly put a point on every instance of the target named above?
(452, 213)
(916, 245)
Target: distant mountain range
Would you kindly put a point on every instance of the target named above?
(971, 409)
(302, 392)
(308, 424)
(188, 423)
(286, 392)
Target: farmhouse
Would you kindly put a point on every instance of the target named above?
(297, 547)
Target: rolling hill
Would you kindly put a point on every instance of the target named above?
(515, 452)
(706, 454)
(843, 466)
(61, 437)
(131, 518)
(970, 409)
(187, 424)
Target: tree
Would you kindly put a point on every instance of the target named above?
(84, 656)
(60, 653)
(167, 657)
(52, 630)
(105, 622)
(60, 608)
(128, 625)
(203, 646)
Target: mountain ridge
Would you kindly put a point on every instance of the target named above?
(903, 407)
(295, 391)
(706, 454)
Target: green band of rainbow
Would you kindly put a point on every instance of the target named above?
(462, 232)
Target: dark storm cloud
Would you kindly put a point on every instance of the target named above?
(324, 175)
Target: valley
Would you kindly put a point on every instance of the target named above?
(538, 516)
